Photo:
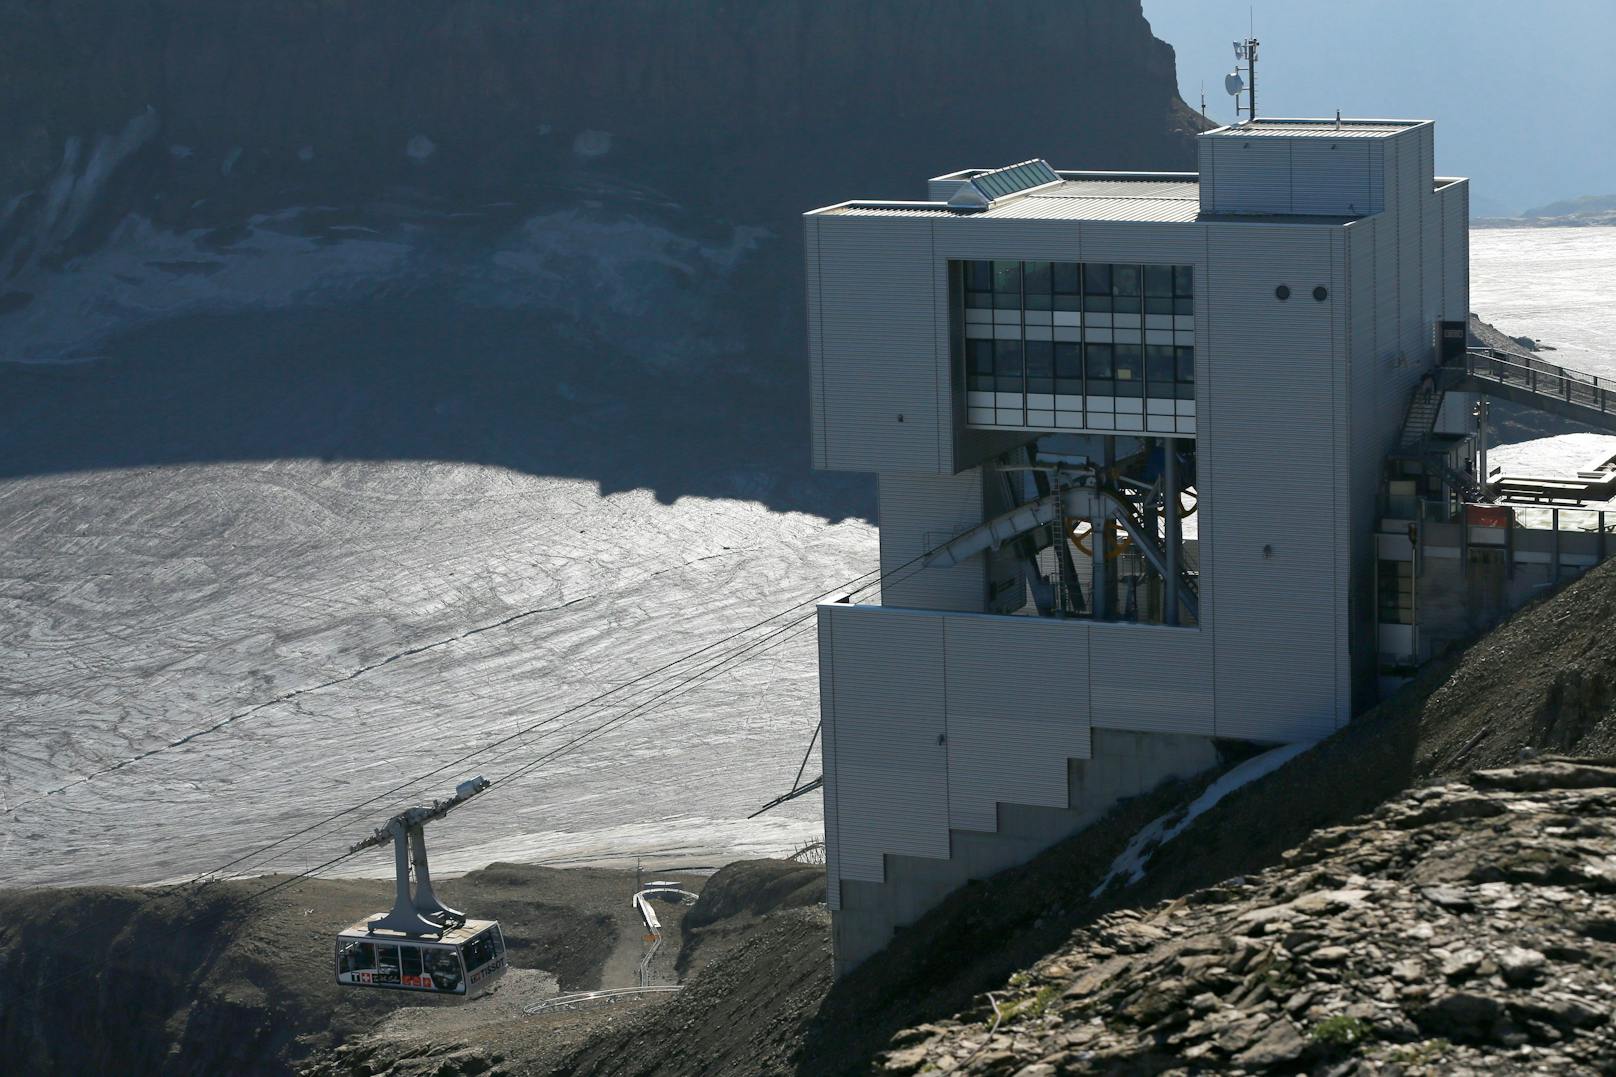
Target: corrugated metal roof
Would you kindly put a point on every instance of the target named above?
(1261, 128)
(1110, 199)
(1121, 188)
(1100, 209)
(892, 211)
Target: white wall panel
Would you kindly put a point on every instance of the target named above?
(1254, 175)
(1018, 708)
(1150, 679)
(1455, 200)
(878, 345)
(968, 237)
(1117, 241)
(1278, 639)
(891, 765)
(1330, 176)
(918, 513)
(816, 357)
(827, 755)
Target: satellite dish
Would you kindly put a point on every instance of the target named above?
(1233, 84)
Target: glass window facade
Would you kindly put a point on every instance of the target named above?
(1079, 346)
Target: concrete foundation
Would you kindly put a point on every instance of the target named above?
(1123, 765)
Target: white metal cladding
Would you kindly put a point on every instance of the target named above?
(1182, 189)
(890, 763)
(1207, 172)
(919, 513)
(1278, 636)
(1410, 282)
(816, 365)
(1346, 603)
(878, 346)
(827, 755)
(1012, 699)
(1150, 678)
(1173, 244)
(1096, 209)
(1377, 176)
(1253, 176)
(1206, 368)
(1455, 199)
(1330, 176)
(1284, 127)
(966, 238)
(1370, 429)
(1018, 709)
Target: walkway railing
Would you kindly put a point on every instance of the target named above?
(1543, 379)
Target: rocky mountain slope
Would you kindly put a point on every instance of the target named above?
(1541, 681)
(126, 981)
(1467, 927)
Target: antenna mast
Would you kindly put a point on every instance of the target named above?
(1247, 50)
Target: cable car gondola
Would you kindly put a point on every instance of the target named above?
(422, 944)
(463, 960)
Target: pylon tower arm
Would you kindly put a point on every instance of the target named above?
(417, 911)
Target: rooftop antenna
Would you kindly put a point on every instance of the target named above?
(1203, 99)
(1236, 85)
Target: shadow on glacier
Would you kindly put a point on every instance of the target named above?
(391, 378)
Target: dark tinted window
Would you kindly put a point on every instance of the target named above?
(1007, 285)
(1125, 284)
(1185, 361)
(1036, 283)
(444, 968)
(1100, 361)
(979, 365)
(1069, 369)
(1007, 366)
(1159, 369)
(1128, 361)
(1040, 366)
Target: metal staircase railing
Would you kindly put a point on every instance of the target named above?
(1420, 418)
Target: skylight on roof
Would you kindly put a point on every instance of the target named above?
(1002, 182)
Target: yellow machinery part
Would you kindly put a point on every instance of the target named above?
(1081, 539)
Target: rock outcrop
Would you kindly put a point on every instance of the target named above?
(750, 108)
(1462, 928)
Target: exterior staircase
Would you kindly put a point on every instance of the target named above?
(1420, 419)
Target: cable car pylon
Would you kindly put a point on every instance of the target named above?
(420, 912)
(422, 944)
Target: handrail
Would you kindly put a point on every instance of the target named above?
(1543, 379)
(584, 999)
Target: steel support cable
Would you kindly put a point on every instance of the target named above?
(528, 768)
(637, 707)
(531, 728)
(909, 568)
(203, 881)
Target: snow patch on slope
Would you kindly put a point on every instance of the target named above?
(1130, 865)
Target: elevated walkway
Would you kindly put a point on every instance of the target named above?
(1524, 379)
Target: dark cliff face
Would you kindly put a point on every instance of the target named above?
(490, 203)
(761, 107)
